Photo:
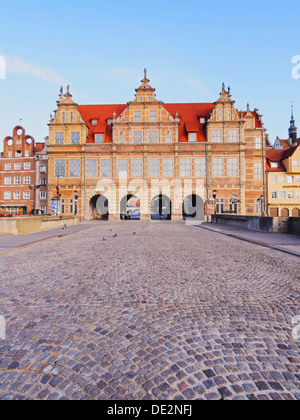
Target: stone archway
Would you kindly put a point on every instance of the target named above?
(193, 208)
(130, 208)
(99, 207)
(161, 208)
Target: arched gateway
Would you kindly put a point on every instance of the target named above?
(99, 207)
(161, 208)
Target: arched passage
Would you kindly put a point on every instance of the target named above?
(99, 207)
(193, 207)
(295, 212)
(130, 208)
(285, 213)
(161, 208)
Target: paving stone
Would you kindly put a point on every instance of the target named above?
(94, 321)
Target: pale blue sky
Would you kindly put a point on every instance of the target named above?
(189, 48)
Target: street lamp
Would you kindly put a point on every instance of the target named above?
(34, 188)
(215, 198)
(76, 201)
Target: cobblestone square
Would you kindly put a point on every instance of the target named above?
(162, 311)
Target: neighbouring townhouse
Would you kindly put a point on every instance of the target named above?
(23, 176)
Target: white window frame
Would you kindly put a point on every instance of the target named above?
(59, 138)
(75, 137)
(137, 116)
(136, 168)
(168, 168)
(105, 171)
(7, 180)
(233, 135)
(200, 168)
(153, 136)
(91, 168)
(185, 167)
(217, 136)
(74, 168)
(8, 167)
(43, 195)
(258, 171)
(137, 136)
(122, 168)
(99, 138)
(153, 115)
(232, 167)
(153, 168)
(7, 195)
(192, 137)
(26, 195)
(258, 143)
(17, 180)
(17, 166)
(17, 195)
(218, 167)
(26, 180)
(27, 166)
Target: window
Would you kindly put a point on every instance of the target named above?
(153, 116)
(295, 163)
(71, 117)
(168, 168)
(26, 153)
(17, 180)
(122, 168)
(220, 206)
(17, 195)
(136, 168)
(274, 195)
(105, 168)
(27, 166)
(217, 136)
(43, 169)
(220, 115)
(43, 195)
(153, 168)
(8, 166)
(59, 138)
(18, 153)
(185, 167)
(153, 136)
(60, 168)
(43, 209)
(233, 136)
(218, 167)
(91, 170)
(282, 179)
(232, 167)
(258, 143)
(98, 138)
(290, 179)
(63, 206)
(26, 195)
(63, 117)
(43, 182)
(75, 137)
(192, 137)
(200, 168)
(291, 195)
(274, 164)
(273, 179)
(71, 206)
(7, 195)
(10, 154)
(17, 166)
(26, 180)
(169, 139)
(233, 208)
(282, 195)
(228, 114)
(137, 116)
(298, 179)
(74, 170)
(137, 137)
(258, 170)
(7, 180)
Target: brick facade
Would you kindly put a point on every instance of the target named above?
(169, 157)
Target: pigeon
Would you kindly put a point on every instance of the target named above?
(115, 235)
(104, 239)
(134, 233)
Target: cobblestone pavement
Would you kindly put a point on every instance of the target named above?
(161, 311)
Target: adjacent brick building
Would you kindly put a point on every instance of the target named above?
(18, 174)
(151, 159)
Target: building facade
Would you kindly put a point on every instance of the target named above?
(148, 159)
(18, 174)
(283, 171)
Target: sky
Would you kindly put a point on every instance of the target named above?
(189, 48)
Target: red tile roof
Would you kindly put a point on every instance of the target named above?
(189, 115)
(278, 156)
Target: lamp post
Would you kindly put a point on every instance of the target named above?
(34, 188)
(215, 199)
(76, 202)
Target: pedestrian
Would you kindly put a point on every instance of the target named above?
(129, 215)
